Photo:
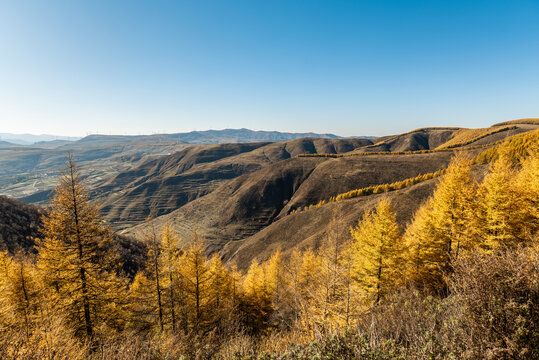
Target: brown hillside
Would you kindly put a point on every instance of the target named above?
(420, 139)
(340, 175)
(309, 228)
(243, 214)
(165, 184)
(474, 137)
(242, 207)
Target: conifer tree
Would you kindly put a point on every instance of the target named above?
(257, 302)
(527, 210)
(278, 287)
(441, 228)
(154, 272)
(351, 295)
(377, 251)
(274, 272)
(221, 299)
(20, 292)
(330, 298)
(497, 205)
(170, 255)
(293, 270)
(156, 295)
(508, 200)
(143, 311)
(73, 255)
(196, 275)
(309, 284)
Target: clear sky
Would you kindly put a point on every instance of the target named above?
(347, 67)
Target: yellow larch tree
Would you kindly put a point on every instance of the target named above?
(20, 293)
(309, 284)
(527, 209)
(441, 230)
(156, 295)
(497, 204)
(331, 297)
(154, 272)
(377, 253)
(171, 283)
(256, 304)
(196, 275)
(221, 299)
(143, 311)
(73, 257)
(278, 287)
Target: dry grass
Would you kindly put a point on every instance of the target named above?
(377, 189)
(402, 152)
(407, 133)
(464, 137)
(529, 121)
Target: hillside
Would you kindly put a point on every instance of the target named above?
(159, 186)
(162, 185)
(249, 216)
(310, 228)
(232, 192)
(19, 224)
(420, 139)
(242, 207)
(29, 139)
(28, 172)
(309, 234)
(33, 170)
(7, 144)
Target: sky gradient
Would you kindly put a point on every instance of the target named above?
(345, 67)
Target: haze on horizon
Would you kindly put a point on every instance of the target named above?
(71, 68)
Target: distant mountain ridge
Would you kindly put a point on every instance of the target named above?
(7, 144)
(218, 136)
(29, 139)
(243, 135)
(193, 137)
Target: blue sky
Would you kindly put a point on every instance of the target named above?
(346, 67)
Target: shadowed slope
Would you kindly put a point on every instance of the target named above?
(19, 224)
(162, 185)
(420, 139)
(311, 227)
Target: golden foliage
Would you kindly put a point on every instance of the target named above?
(440, 229)
(74, 258)
(464, 137)
(377, 253)
(515, 147)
